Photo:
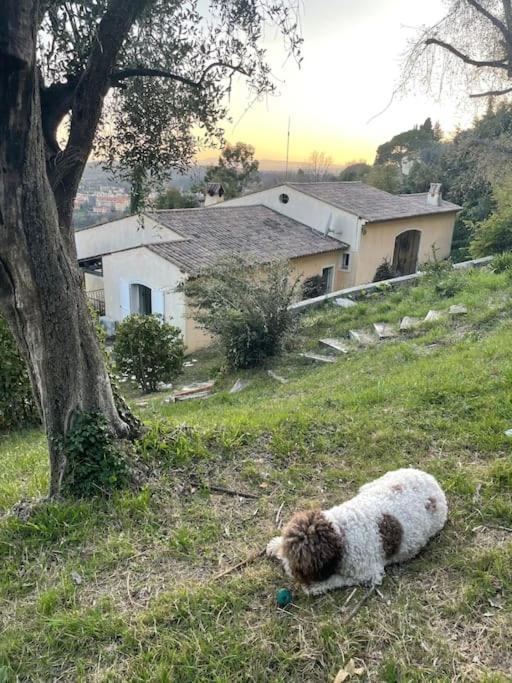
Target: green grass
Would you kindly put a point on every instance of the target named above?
(121, 590)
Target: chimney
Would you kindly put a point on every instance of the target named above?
(434, 195)
(214, 194)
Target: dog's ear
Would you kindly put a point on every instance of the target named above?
(312, 546)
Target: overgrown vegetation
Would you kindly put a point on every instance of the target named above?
(494, 234)
(502, 263)
(17, 405)
(384, 272)
(130, 576)
(172, 198)
(96, 463)
(245, 307)
(313, 286)
(148, 349)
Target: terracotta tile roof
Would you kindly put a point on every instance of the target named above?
(370, 203)
(256, 231)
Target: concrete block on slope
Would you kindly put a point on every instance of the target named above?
(277, 377)
(407, 323)
(458, 309)
(336, 344)
(318, 357)
(433, 316)
(362, 337)
(384, 330)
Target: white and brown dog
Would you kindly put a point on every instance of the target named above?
(390, 520)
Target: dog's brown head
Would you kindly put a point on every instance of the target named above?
(312, 546)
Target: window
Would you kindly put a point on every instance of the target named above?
(94, 266)
(345, 261)
(284, 198)
(140, 299)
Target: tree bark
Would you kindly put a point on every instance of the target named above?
(40, 283)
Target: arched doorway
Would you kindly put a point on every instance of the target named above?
(405, 257)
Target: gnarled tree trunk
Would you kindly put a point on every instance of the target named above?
(40, 284)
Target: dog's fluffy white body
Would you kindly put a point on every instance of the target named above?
(411, 496)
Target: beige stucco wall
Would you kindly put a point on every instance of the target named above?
(195, 337)
(307, 266)
(379, 242)
(302, 267)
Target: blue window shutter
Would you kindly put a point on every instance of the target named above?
(124, 299)
(157, 302)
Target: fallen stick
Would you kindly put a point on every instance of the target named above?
(358, 606)
(249, 560)
(498, 526)
(232, 492)
(348, 600)
(278, 515)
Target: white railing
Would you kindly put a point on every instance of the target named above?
(361, 290)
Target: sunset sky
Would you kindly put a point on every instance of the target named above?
(352, 51)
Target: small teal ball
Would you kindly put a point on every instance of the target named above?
(283, 597)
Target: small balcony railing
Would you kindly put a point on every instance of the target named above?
(97, 300)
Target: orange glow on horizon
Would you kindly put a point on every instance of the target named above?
(334, 98)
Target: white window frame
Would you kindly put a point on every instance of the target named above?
(348, 267)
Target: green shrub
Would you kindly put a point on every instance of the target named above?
(448, 286)
(149, 349)
(445, 281)
(437, 268)
(246, 307)
(384, 272)
(17, 405)
(502, 263)
(95, 459)
(494, 234)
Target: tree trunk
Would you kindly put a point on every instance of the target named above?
(40, 284)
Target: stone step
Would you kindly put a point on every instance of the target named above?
(458, 309)
(433, 316)
(277, 377)
(362, 337)
(407, 323)
(384, 330)
(336, 344)
(319, 358)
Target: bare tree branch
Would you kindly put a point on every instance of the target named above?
(499, 64)
(123, 74)
(491, 93)
(88, 100)
(494, 20)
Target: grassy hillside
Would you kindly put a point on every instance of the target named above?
(121, 589)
